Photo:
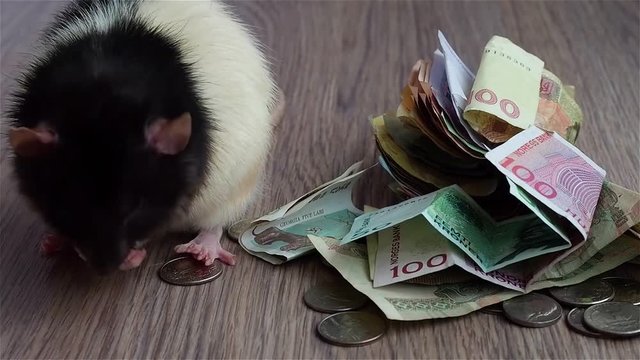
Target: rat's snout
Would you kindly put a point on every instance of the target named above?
(103, 256)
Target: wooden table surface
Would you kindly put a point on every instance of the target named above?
(338, 62)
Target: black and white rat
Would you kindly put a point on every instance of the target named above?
(140, 117)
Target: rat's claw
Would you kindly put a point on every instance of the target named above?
(206, 248)
(133, 259)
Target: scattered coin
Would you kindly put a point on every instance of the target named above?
(236, 229)
(532, 310)
(575, 319)
(186, 270)
(613, 318)
(586, 293)
(626, 290)
(493, 309)
(352, 328)
(334, 297)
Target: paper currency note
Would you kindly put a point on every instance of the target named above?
(409, 301)
(617, 211)
(553, 171)
(621, 250)
(559, 224)
(329, 212)
(429, 175)
(557, 109)
(459, 78)
(410, 249)
(505, 91)
(440, 87)
(304, 199)
(492, 245)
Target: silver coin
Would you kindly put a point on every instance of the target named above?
(575, 319)
(493, 309)
(614, 318)
(186, 270)
(586, 293)
(626, 290)
(334, 297)
(352, 328)
(532, 310)
(236, 229)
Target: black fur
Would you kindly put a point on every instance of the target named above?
(102, 186)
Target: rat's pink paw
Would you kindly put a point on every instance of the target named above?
(133, 259)
(206, 253)
(206, 248)
(51, 244)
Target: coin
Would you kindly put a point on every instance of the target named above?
(236, 229)
(493, 309)
(532, 310)
(589, 292)
(334, 297)
(575, 319)
(186, 270)
(626, 290)
(352, 328)
(614, 318)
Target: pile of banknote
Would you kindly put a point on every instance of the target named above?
(496, 199)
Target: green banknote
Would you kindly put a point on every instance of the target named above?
(410, 302)
(492, 245)
(327, 212)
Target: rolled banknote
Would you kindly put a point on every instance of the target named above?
(505, 91)
(553, 171)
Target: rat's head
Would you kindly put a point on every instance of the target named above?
(108, 138)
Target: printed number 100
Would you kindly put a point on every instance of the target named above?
(415, 266)
(526, 175)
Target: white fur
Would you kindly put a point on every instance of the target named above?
(236, 86)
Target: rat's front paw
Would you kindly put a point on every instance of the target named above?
(206, 248)
(133, 259)
(51, 244)
(206, 254)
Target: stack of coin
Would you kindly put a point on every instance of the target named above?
(606, 307)
(345, 327)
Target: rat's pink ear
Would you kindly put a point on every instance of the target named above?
(169, 137)
(31, 142)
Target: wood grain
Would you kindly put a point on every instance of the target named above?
(337, 62)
